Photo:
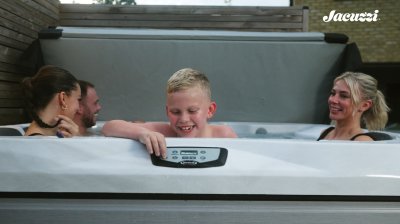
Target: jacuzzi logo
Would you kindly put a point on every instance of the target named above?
(351, 17)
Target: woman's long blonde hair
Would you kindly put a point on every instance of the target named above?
(365, 87)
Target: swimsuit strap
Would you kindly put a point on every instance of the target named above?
(376, 136)
(35, 134)
(328, 130)
(58, 134)
(366, 134)
(325, 133)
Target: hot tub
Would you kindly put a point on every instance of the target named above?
(288, 179)
(274, 173)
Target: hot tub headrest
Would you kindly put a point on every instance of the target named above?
(50, 33)
(336, 38)
(379, 136)
(10, 131)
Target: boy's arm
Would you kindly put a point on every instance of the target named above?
(153, 140)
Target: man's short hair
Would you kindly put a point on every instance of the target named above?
(84, 86)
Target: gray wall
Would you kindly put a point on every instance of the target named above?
(263, 77)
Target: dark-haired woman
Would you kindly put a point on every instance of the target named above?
(52, 98)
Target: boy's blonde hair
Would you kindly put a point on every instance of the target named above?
(187, 78)
(365, 87)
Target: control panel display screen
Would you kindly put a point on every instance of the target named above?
(189, 152)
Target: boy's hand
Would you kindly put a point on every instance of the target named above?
(67, 127)
(155, 143)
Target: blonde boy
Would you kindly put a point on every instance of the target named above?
(189, 106)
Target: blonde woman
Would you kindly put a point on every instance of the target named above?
(355, 101)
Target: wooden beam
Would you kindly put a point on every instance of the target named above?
(245, 18)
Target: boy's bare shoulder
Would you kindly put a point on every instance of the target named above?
(162, 127)
(223, 131)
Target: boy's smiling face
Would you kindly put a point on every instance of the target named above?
(188, 111)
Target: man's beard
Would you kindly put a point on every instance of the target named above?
(88, 122)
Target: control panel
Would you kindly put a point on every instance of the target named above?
(192, 157)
